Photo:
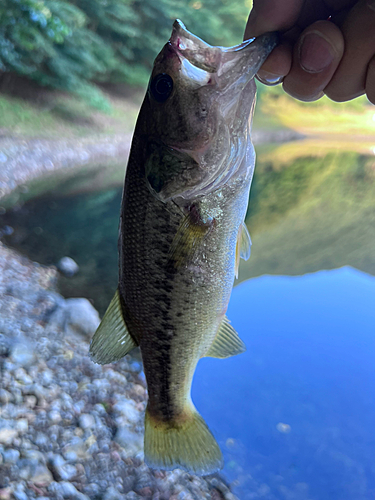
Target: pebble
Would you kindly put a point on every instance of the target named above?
(22, 425)
(11, 456)
(68, 266)
(7, 435)
(92, 490)
(66, 490)
(54, 416)
(132, 495)
(112, 494)
(100, 410)
(30, 401)
(47, 377)
(22, 354)
(5, 396)
(41, 440)
(63, 470)
(6, 493)
(34, 455)
(130, 441)
(19, 494)
(22, 376)
(86, 421)
(128, 409)
(80, 317)
(41, 476)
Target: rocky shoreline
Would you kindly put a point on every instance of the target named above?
(24, 159)
(69, 429)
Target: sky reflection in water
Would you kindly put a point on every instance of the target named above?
(309, 364)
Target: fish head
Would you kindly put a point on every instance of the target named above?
(198, 104)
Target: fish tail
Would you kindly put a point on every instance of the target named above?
(185, 443)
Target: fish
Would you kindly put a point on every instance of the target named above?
(182, 234)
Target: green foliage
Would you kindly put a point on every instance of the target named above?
(319, 216)
(72, 44)
(266, 93)
(275, 191)
(47, 41)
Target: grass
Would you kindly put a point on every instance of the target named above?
(47, 113)
(66, 116)
(354, 120)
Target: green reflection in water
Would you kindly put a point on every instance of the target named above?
(312, 213)
(311, 208)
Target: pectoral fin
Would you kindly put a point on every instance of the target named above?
(226, 343)
(243, 247)
(111, 341)
(188, 239)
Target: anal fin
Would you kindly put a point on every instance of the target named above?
(111, 341)
(226, 343)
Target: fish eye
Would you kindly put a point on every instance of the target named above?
(161, 87)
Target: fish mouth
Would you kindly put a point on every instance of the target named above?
(223, 77)
(228, 65)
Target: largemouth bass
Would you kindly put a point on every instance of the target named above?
(182, 234)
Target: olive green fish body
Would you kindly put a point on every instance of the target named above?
(174, 311)
(182, 233)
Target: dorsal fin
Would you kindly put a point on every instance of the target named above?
(226, 343)
(111, 341)
(243, 246)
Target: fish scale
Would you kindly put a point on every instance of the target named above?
(182, 233)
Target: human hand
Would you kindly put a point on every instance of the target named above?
(317, 56)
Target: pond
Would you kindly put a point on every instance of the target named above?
(295, 414)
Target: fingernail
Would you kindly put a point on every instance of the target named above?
(315, 53)
(269, 78)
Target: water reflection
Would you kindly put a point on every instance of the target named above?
(311, 208)
(300, 421)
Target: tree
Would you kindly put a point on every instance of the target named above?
(70, 45)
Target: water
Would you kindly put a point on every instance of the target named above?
(310, 366)
(295, 414)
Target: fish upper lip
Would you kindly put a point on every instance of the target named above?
(220, 60)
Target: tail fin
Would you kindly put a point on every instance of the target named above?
(187, 444)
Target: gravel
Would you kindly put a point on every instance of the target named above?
(23, 159)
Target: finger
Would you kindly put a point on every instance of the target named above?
(370, 81)
(272, 15)
(358, 29)
(277, 65)
(316, 57)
